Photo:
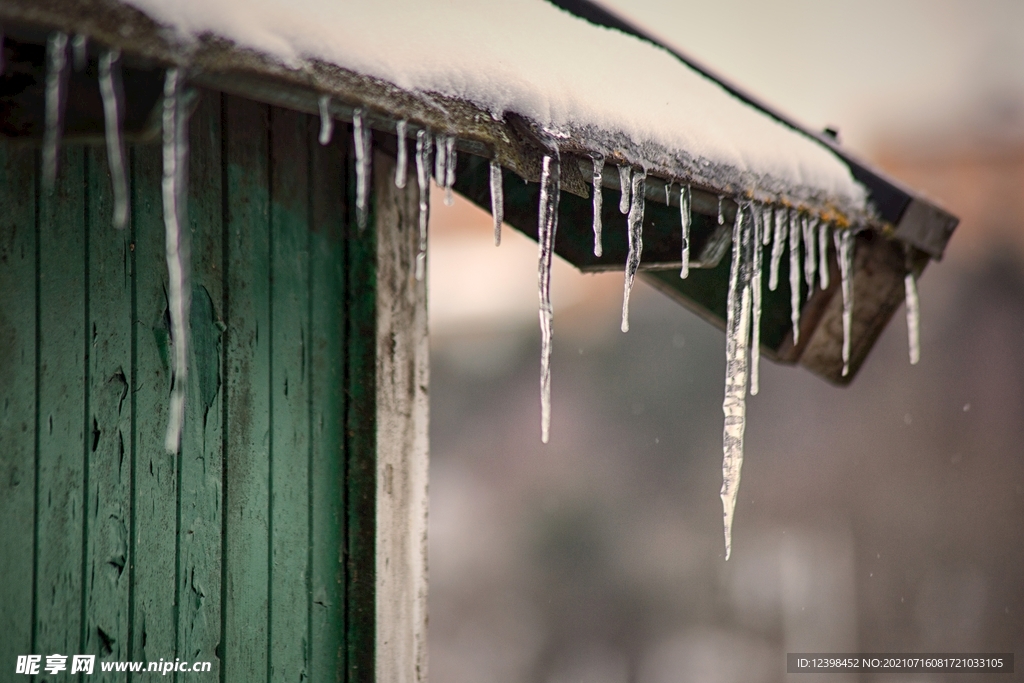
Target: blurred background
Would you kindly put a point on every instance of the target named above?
(884, 517)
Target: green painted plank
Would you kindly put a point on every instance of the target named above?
(108, 436)
(289, 399)
(247, 382)
(327, 377)
(199, 519)
(63, 241)
(155, 471)
(360, 449)
(17, 399)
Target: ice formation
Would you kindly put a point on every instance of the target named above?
(497, 200)
(449, 170)
(175, 159)
(823, 232)
(624, 185)
(794, 273)
(845, 241)
(913, 318)
(115, 145)
(781, 235)
(402, 162)
(547, 226)
(326, 122)
(810, 225)
(684, 218)
(635, 223)
(423, 145)
(56, 82)
(598, 176)
(757, 220)
(361, 133)
(737, 338)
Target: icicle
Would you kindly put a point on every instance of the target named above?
(326, 122)
(794, 273)
(402, 163)
(684, 217)
(547, 226)
(668, 193)
(766, 224)
(624, 183)
(823, 230)
(761, 228)
(80, 52)
(913, 318)
(423, 145)
(439, 160)
(737, 330)
(449, 169)
(115, 148)
(721, 209)
(56, 76)
(175, 151)
(497, 200)
(636, 242)
(361, 132)
(598, 199)
(778, 246)
(810, 253)
(844, 240)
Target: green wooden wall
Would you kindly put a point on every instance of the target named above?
(253, 547)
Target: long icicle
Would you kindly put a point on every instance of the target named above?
(823, 240)
(497, 200)
(845, 241)
(361, 133)
(636, 242)
(624, 185)
(598, 203)
(913, 317)
(767, 211)
(326, 122)
(402, 162)
(115, 145)
(781, 235)
(721, 209)
(794, 273)
(734, 406)
(449, 169)
(760, 228)
(56, 84)
(810, 253)
(423, 144)
(439, 160)
(175, 150)
(684, 219)
(547, 226)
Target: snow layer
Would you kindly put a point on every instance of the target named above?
(527, 57)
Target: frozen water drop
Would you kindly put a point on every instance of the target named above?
(781, 235)
(361, 133)
(547, 226)
(56, 82)
(823, 274)
(326, 122)
(684, 218)
(449, 169)
(845, 241)
(423, 145)
(497, 200)
(635, 224)
(624, 185)
(115, 146)
(760, 227)
(913, 318)
(175, 156)
(598, 180)
(737, 331)
(810, 225)
(794, 273)
(721, 209)
(402, 161)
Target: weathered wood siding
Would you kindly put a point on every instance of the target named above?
(254, 547)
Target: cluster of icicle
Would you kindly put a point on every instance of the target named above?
(756, 226)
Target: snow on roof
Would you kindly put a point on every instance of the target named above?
(530, 58)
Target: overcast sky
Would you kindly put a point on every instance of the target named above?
(869, 67)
